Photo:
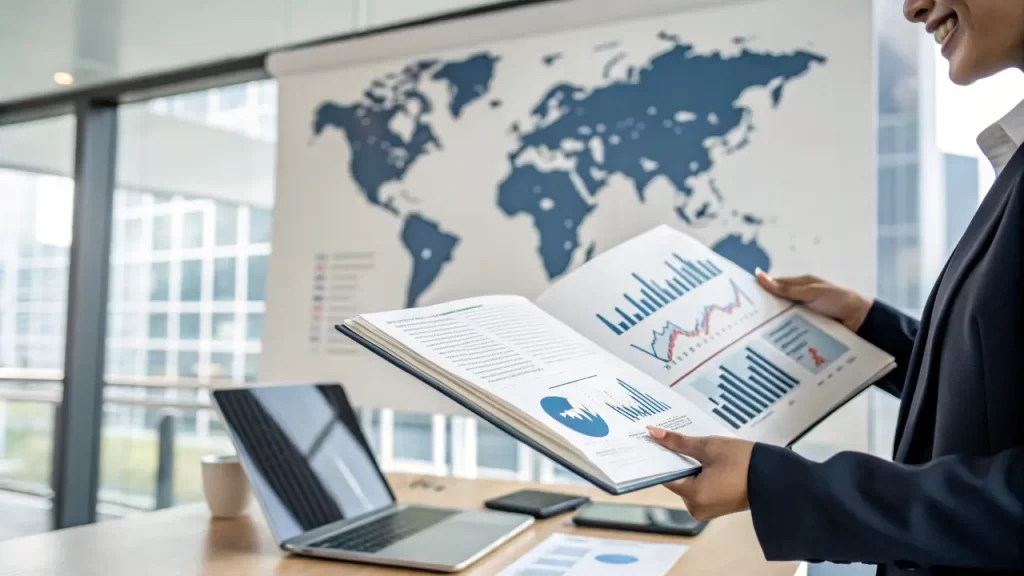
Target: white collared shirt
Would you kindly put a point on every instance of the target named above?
(999, 141)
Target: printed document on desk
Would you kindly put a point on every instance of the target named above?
(569, 555)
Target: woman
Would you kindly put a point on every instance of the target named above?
(952, 502)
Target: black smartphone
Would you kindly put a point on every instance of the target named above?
(536, 503)
(639, 519)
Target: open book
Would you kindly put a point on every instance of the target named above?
(657, 331)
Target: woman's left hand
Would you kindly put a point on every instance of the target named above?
(721, 486)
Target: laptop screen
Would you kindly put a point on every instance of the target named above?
(305, 456)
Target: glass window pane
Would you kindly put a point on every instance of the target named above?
(224, 326)
(227, 225)
(158, 325)
(259, 225)
(160, 281)
(188, 364)
(224, 279)
(414, 436)
(192, 230)
(162, 232)
(189, 324)
(221, 365)
(133, 235)
(191, 280)
(191, 285)
(252, 368)
(254, 327)
(257, 280)
(156, 363)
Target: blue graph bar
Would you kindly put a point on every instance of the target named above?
(644, 404)
(654, 293)
(748, 385)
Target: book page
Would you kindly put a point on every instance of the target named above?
(691, 319)
(563, 383)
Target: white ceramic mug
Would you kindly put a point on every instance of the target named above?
(225, 486)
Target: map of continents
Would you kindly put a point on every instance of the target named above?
(660, 120)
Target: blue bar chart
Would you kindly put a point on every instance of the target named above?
(641, 406)
(747, 384)
(652, 294)
(808, 345)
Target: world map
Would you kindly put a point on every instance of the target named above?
(661, 119)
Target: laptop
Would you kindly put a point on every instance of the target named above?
(323, 494)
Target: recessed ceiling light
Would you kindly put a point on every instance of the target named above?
(63, 78)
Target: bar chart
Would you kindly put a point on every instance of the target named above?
(808, 345)
(682, 276)
(641, 405)
(748, 384)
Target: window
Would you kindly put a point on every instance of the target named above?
(252, 368)
(233, 97)
(189, 324)
(158, 325)
(192, 233)
(224, 279)
(162, 232)
(188, 364)
(227, 225)
(414, 436)
(221, 365)
(224, 327)
(156, 363)
(159, 281)
(254, 327)
(257, 281)
(191, 280)
(133, 234)
(259, 225)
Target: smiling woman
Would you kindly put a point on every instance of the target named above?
(978, 37)
(953, 500)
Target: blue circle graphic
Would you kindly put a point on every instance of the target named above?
(616, 559)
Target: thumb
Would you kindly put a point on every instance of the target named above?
(691, 446)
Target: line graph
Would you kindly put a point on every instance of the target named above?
(664, 341)
(684, 275)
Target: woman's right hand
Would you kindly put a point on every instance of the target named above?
(842, 304)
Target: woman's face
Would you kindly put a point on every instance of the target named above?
(978, 37)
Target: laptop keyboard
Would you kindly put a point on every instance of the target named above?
(385, 531)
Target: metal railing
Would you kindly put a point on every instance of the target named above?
(166, 425)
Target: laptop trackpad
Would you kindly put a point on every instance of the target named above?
(454, 539)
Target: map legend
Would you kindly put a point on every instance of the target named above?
(336, 284)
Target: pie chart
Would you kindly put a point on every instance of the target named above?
(616, 559)
(575, 417)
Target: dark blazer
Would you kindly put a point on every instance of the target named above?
(952, 502)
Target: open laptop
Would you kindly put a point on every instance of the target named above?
(323, 494)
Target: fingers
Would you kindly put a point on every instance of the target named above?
(691, 446)
(798, 289)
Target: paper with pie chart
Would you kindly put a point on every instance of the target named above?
(571, 555)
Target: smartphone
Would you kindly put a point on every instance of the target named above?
(536, 503)
(639, 519)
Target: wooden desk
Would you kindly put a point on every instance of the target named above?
(185, 541)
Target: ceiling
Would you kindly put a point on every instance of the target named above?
(98, 41)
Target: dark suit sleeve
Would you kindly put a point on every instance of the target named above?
(954, 511)
(894, 332)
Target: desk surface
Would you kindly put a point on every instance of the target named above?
(185, 540)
